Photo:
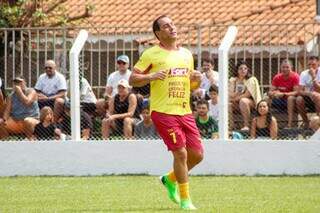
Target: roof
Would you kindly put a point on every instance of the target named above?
(267, 21)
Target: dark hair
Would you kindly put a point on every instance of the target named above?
(202, 101)
(156, 26)
(313, 57)
(214, 88)
(269, 115)
(208, 60)
(235, 71)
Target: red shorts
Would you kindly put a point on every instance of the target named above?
(177, 131)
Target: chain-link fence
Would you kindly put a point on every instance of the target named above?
(111, 109)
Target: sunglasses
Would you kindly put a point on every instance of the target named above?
(121, 62)
(50, 68)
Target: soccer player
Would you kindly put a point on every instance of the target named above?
(170, 71)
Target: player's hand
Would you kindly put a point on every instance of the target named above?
(160, 75)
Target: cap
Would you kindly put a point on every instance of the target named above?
(123, 58)
(124, 83)
(18, 79)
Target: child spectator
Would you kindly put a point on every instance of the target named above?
(46, 129)
(207, 126)
(264, 125)
(145, 128)
(213, 102)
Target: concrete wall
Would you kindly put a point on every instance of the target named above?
(151, 157)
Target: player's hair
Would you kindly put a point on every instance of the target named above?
(203, 101)
(214, 88)
(156, 26)
(44, 112)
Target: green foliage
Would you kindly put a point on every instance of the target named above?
(146, 194)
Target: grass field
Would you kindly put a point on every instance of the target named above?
(145, 194)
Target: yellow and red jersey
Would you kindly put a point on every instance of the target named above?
(171, 95)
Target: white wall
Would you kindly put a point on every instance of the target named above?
(151, 157)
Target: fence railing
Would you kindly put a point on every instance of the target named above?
(263, 47)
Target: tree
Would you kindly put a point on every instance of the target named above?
(34, 13)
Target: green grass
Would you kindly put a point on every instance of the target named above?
(145, 194)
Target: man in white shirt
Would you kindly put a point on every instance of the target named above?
(309, 90)
(123, 72)
(51, 88)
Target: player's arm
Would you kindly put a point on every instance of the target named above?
(139, 79)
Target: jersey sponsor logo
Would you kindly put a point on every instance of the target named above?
(178, 72)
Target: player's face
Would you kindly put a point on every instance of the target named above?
(167, 29)
(202, 110)
(285, 69)
(263, 108)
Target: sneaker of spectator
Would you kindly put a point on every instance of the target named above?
(22, 112)
(51, 87)
(284, 90)
(123, 114)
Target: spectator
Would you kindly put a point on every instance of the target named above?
(207, 126)
(213, 102)
(284, 90)
(209, 77)
(88, 99)
(244, 93)
(51, 88)
(309, 88)
(123, 72)
(264, 125)
(2, 98)
(145, 128)
(122, 113)
(64, 126)
(22, 112)
(46, 129)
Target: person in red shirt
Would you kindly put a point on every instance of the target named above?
(284, 89)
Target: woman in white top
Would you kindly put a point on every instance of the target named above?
(244, 91)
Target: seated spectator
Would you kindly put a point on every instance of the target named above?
(46, 129)
(51, 88)
(284, 90)
(245, 93)
(3, 97)
(64, 126)
(309, 90)
(207, 126)
(122, 115)
(22, 112)
(145, 128)
(209, 77)
(213, 102)
(264, 125)
(88, 99)
(123, 72)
